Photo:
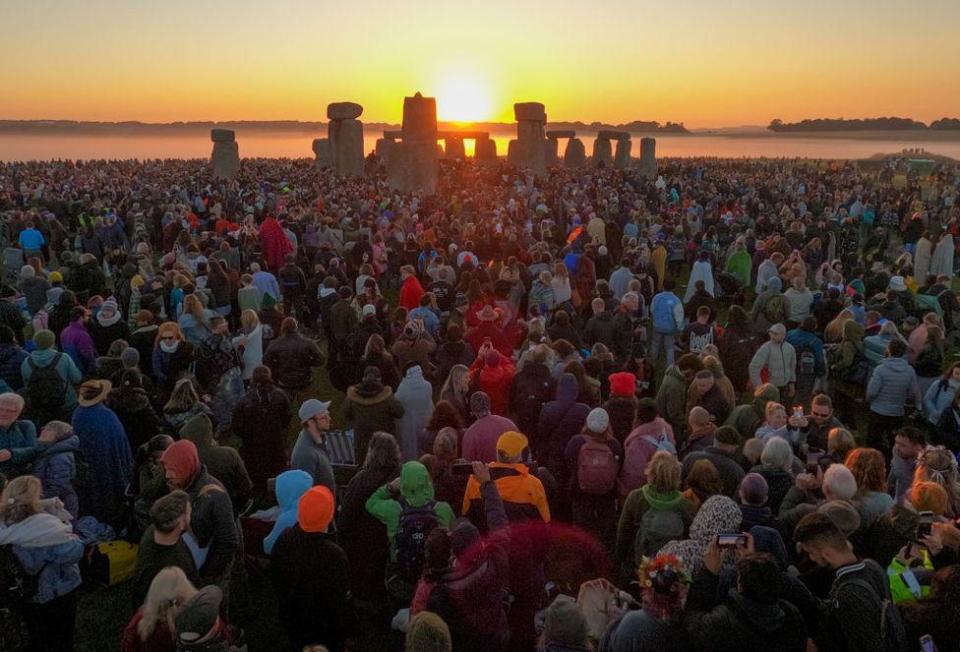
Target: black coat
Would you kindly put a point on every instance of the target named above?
(532, 387)
(132, 407)
(291, 358)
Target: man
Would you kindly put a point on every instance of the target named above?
(814, 429)
(700, 333)
(31, 241)
(672, 395)
(198, 625)
(310, 451)
(859, 615)
(294, 285)
(265, 282)
(522, 492)
(620, 279)
(701, 429)
(700, 299)
(223, 462)
(779, 359)
(666, 311)
(291, 358)
(601, 326)
(909, 443)
(710, 396)
(18, 439)
(624, 329)
(211, 520)
(726, 442)
(892, 383)
(480, 439)
(161, 544)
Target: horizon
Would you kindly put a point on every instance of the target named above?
(705, 66)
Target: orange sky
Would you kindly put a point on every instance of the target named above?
(703, 62)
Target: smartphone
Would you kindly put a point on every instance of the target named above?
(927, 644)
(462, 468)
(731, 540)
(925, 525)
(798, 412)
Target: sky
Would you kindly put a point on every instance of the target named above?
(707, 63)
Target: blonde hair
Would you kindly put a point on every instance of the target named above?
(60, 428)
(937, 464)
(20, 499)
(169, 591)
(375, 344)
(249, 320)
(772, 408)
(840, 441)
(457, 373)
(663, 472)
(192, 305)
(183, 397)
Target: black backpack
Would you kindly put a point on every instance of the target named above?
(893, 633)
(806, 366)
(46, 389)
(414, 526)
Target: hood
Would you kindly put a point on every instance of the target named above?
(415, 484)
(67, 445)
(414, 374)
(369, 394)
(767, 394)
(718, 515)
(567, 388)
(768, 540)
(774, 284)
(290, 486)
(852, 332)
(672, 501)
(897, 364)
(764, 617)
(495, 375)
(129, 399)
(199, 430)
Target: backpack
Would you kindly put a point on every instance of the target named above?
(597, 468)
(661, 443)
(892, 630)
(414, 526)
(46, 389)
(775, 309)
(806, 366)
(657, 528)
(858, 372)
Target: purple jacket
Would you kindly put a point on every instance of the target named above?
(75, 341)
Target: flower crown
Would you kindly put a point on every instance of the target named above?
(661, 572)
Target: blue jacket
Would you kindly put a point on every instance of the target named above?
(291, 485)
(663, 310)
(106, 449)
(800, 338)
(66, 367)
(11, 359)
(874, 348)
(57, 566)
(21, 440)
(891, 384)
(938, 398)
(56, 468)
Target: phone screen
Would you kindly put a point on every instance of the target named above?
(731, 540)
(927, 644)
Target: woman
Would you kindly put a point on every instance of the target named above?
(220, 288)
(776, 462)
(195, 320)
(132, 406)
(594, 458)
(184, 404)
(454, 350)
(172, 357)
(261, 420)
(445, 415)
(363, 537)
(875, 346)
(47, 551)
(376, 355)
(718, 515)
(152, 627)
(833, 333)
(938, 464)
(929, 361)
(869, 469)
(108, 326)
(941, 395)
(702, 482)
(415, 394)
(249, 343)
(456, 391)
(738, 344)
(562, 292)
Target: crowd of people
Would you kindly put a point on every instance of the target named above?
(712, 410)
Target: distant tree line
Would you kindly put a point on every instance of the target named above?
(865, 124)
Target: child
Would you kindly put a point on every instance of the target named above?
(55, 464)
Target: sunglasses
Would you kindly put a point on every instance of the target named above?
(821, 415)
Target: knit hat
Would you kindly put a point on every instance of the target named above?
(479, 403)
(512, 443)
(56, 277)
(428, 633)
(181, 458)
(44, 339)
(623, 383)
(199, 615)
(311, 408)
(315, 509)
(130, 357)
(598, 420)
(565, 624)
(843, 515)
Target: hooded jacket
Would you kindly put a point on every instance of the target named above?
(495, 381)
(416, 489)
(47, 549)
(717, 515)
(780, 361)
(532, 386)
(291, 358)
(223, 462)
(415, 394)
(640, 446)
(891, 385)
(289, 487)
(562, 418)
(631, 517)
(66, 367)
(56, 467)
(106, 449)
(132, 406)
(748, 417)
(370, 407)
(851, 349)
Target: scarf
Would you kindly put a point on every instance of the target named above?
(37, 531)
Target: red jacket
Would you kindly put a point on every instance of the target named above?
(498, 338)
(495, 382)
(410, 293)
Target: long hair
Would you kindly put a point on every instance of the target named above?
(454, 382)
(383, 452)
(20, 499)
(169, 591)
(938, 464)
(375, 344)
(183, 397)
(167, 329)
(869, 469)
(249, 320)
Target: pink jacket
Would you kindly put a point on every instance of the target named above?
(639, 447)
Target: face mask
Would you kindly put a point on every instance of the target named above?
(169, 347)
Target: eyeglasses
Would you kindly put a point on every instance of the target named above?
(821, 415)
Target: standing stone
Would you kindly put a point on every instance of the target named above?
(226, 154)
(621, 159)
(575, 156)
(531, 147)
(384, 149)
(485, 150)
(321, 152)
(602, 152)
(550, 152)
(419, 119)
(513, 152)
(648, 157)
(345, 138)
(413, 164)
(455, 149)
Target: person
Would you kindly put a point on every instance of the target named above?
(76, 342)
(751, 617)
(376, 355)
(776, 464)
(410, 288)
(407, 508)
(212, 521)
(493, 374)
(811, 360)
(710, 396)
(521, 491)
(779, 359)
(532, 386)
(310, 452)
(775, 424)
(249, 342)
(428, 633)
(565, 628)
(908, 444)
(223, 462)
(131, 403)
(672, 394)
(49, 377)
(415, 394)
(172, 357)
(291, 358)
(261, 420)
(153, 628)
(726, 443)
(717, 515)
(290, 486)
(701, 426)
(658, 624)
(55, 464)
(666, 312)
(747, 417)
(162, 546)
(45, 548)
(362, 536)
(650, 435)
(108, 326)
(12, 356)
(31, 241)
(891, 385)
(199, 625)
(368, 407)
(18, 437)
(480, 439)
(870, 473)
(935, 613)
(752, 494)
(813, 430)
(941, 395)
(310, 574)
(183, 404)
(699, 333)
(859, 615)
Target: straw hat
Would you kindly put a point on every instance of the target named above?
(92, 392)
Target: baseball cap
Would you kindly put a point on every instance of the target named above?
(512, 443)
(311, 408)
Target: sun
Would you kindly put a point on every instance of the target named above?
(463, 98)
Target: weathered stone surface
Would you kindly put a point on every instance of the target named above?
(613, 134)
(344, 111)
(225, 159)
(575, 156)
(513, 152)
(223, 135)
(648, 157)
(321, 152)
(561, 133)
(348, 148)
(602, 152)
(550, 152)
(621, 158)
(419, 119)
(531, 146)
(485, 150)
(413, 167)
(384, 149)
(455, 149)
(395, 134)
(534, 111)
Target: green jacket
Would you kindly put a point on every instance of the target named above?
(904, 584)
(417, 489)
(672, 402)
(636, 505)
